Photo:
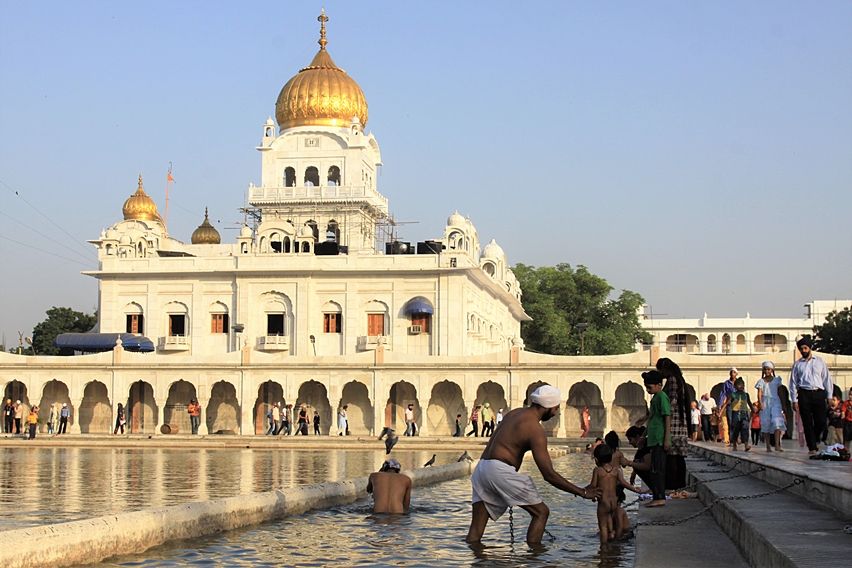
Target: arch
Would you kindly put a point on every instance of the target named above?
(628, 407)
(306, 246)
(178, 319)
(16, 390)
(716, 391)
(332, 231)
(551, 427)
(223, 410)
(134, 318)
(289, 176)
(770, 343)
(311, 176)
(582, 394)
(682, 343)
(711, 343)
(489, 268)
(445, 403)
(268, 393)
(313, 396)
(377, 318)
(56, 392)
(314, 228)
(493, 394)
(726, 343)
(360, 411)
(276, 313)
(402, 393)
(95, 409)
(180, 393)
(333, 175)
(141, 408)
(741, 343)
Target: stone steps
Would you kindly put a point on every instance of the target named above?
(795, 527)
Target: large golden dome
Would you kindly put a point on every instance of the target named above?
(141, 206)
(206, 234)
(321, 94)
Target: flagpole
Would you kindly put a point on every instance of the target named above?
(168, 181)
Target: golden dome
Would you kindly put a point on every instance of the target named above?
(206, 234)
(141, 206)
(320, 94)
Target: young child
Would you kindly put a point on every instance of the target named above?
(659, 436)
(835, 421)
(695, 415)
(755, 424)
(458, 426)
(740, 415)
(714, 425)
(619, 517)
(607, 478)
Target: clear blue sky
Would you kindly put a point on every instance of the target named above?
(697, 153)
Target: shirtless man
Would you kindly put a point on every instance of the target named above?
(391, 490)
(496, 482)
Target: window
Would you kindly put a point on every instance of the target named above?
(332, 323)
(375, 324)
(423, 320)
(219, 323)
(274, 324)
(135, 323)
(177, 324)
(311, 176)
(333, 175)
(711, 343)
(289, 177)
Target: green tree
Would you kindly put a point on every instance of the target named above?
(558, 298)
(835, 335)
(60, 320)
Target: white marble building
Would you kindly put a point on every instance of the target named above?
(746, 335)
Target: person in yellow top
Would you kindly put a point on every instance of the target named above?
(32, 420)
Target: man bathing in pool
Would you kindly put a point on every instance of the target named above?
(496, 482)
(391, 490)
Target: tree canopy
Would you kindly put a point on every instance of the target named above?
(559, 297)
(835, 335)
(59, 320)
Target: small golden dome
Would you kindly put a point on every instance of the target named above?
(140, 206)
(321, 94)
(206, 234)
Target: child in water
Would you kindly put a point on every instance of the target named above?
(607, 477)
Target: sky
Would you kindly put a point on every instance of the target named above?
(698, 153)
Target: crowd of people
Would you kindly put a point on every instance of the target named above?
(279, 419)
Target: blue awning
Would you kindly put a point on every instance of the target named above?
(96, 342)
(419, 305)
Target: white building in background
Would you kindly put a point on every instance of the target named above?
(320, 272)
(746, 335)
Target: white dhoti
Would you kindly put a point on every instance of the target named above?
(499, 486)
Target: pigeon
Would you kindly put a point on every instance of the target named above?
(465, 457)
(385, 431)
(390, 442)
(430, 462)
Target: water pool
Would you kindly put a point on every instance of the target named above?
(431, 535)
(52, 485)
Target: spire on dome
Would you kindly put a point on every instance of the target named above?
(322, 19)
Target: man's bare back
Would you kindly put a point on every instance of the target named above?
(520, 431)
(391, 491)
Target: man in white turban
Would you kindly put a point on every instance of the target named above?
(497, 485)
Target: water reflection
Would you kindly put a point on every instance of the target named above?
(52, 485)
(431, 535)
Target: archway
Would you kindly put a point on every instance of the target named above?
(142, 409)
(583, 394)
(180, 393)
(313, 396)
(95, 409)
(628, 407)
(402, 394)
(55, 392)
(360, 411)
(551, 427)
(715, 392)
(223, 410)
(268, 393)
(445, 404)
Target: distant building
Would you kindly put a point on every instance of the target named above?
(736, 335)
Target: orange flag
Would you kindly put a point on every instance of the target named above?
(170, 178)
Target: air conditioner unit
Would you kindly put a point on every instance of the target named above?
(415, 329)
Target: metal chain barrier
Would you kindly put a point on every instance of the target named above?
(796, 481)
(512, 528)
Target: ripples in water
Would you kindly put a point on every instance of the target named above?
(432, 534)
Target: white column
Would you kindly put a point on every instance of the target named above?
(74, 427)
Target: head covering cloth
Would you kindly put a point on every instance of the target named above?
(546, 396)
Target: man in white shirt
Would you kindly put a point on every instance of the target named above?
(810, 388)
(410, 428)
(706, 406)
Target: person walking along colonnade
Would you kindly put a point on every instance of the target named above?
(234, 392)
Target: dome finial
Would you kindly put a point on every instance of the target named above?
(322, 19)
(140, 182)
(205, 212)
